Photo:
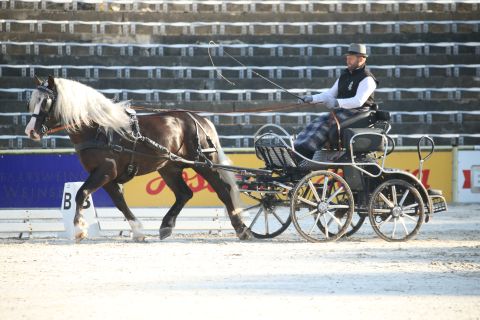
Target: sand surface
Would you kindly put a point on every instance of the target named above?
(201, 276)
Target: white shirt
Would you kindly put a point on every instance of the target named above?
(364, 90)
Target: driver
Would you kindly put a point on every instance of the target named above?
(352, 93)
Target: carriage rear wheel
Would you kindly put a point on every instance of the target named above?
(322, 206)
(268, 218)
(396, 210)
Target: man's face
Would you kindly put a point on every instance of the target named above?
(354, 62)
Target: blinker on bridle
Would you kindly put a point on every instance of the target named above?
(47, 105)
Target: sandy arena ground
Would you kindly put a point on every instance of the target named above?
(436, 276)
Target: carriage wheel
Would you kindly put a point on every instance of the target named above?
(355, 224)
(322, 206)
(267, 220)
(396, 210)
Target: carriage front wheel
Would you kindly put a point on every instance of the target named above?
(396, 210)
(322, 206)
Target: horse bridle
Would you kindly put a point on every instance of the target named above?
(46, 109)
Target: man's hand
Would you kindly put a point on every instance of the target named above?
(307, 99)
(330, 102)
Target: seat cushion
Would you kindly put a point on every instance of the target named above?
(364, 139)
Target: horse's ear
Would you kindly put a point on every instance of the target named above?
(37, 80)
(51, 82)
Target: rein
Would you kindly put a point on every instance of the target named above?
(156, 110)
(256, 110)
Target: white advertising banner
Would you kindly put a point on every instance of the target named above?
(468, 176)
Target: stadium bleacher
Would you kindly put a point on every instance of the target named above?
(154, 52)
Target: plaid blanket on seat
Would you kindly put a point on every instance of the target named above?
(315, 135)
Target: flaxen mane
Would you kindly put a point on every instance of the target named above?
(78, 105)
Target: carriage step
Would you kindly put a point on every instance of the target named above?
(434, 192)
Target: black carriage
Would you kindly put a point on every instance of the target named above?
(331, 195)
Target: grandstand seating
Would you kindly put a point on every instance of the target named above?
(155, 52)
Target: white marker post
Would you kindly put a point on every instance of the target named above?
(68, 210)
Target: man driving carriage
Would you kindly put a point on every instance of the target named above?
(351, 94)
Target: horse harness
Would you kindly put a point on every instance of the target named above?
(107, 139)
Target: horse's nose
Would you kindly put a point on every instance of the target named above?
(32, 134)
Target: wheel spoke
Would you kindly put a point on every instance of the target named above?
(382, 210)
(394, 195)
(266, 222)
(404, 197)
(338, 206)
(256, 217)
(335, 219)
(414, 205)
(326, 226)
(388, 202)
(384, 221)
(252, 207)
(410, 217)
(314, 191)
(307, 201)
(278, 218)
(307, 214)
(325, 185)
(404, 226)
(315, 224)
(394, 228)
(334, 194)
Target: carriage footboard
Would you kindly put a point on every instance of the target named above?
(439, 203)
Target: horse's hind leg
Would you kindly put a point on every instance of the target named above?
(172, 175)
(223, 190)
(115, 192)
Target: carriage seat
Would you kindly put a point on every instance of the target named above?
(363, 122)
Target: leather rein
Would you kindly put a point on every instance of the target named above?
(271, 108)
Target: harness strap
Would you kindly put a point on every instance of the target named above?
(211, 145)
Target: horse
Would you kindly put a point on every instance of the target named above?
(160, 143)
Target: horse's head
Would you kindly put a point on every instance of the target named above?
(41, 106)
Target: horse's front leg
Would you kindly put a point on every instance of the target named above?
(98, 178)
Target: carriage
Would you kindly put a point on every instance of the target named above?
(331, 195)
(326, 198)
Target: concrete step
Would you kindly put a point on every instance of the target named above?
(148, 37)
(254, 83)
(233, 16)
(238, 106)
(205, 8)
(250, 129)
(256, 60)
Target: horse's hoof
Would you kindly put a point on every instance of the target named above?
(139, 238)
(165, 232)
(245, 234)
(79, 236)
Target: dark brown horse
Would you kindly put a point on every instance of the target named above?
(106, 144)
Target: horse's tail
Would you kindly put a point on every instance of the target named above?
(227, 176)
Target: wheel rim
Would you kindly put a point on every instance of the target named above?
(322, 206)
(396, 210)
(268, 220)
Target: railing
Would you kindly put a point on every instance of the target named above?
(153, 95)
(210, 72)
(244, 49)
(302, 118)
(246, 141)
